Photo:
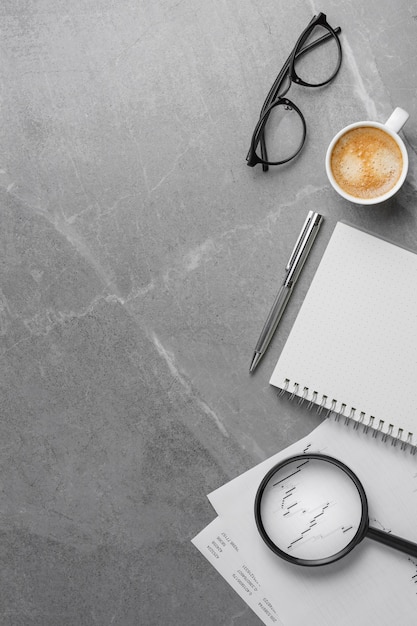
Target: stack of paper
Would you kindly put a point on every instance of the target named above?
(373, 584)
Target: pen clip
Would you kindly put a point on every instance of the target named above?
(300, 240)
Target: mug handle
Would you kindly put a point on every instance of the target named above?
(397, 119)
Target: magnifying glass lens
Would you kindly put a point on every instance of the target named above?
(310, 510)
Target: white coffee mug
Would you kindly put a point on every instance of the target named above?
(368, 178)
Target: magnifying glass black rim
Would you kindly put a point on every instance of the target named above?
(360, 533)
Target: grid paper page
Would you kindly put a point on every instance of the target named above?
(355, 337)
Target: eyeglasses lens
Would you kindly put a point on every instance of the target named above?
(319, 63)
(283, 133)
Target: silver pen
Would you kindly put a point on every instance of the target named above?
(294, 266)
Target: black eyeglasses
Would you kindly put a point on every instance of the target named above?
(281, 118)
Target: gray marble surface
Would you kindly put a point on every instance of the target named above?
(139, 258)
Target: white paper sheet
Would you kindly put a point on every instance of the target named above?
(217, 543)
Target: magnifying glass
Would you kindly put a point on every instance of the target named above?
(312, 510)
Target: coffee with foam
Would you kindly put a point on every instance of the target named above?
(366, 162)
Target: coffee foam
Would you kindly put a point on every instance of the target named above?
(366, 162)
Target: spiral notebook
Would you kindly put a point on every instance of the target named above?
(353, 347)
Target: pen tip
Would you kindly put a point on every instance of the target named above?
(256, 358)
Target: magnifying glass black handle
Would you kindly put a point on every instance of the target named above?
(393, 541)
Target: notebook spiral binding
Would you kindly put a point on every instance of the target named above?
(369, 425)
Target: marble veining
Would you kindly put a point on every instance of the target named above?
(139, 256)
